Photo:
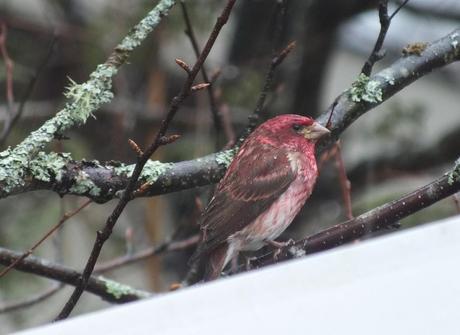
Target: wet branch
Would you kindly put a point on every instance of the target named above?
(96, 284)
(160, 139)
(377, 219)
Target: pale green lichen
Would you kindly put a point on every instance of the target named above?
(84, 185)
(364, 89)
(46, 167)
(88, 97)
(150, 173)
(225, 157)
(11, 170)
(118, 290)
(143, 28)
(454, 174)
(84, 99)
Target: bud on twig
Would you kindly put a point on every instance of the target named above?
(198, 87)
(135, 147)
(142, 189)
(183, 65)
(164, 140)
(282, 55)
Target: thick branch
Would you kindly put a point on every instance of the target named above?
(108, 290)
(84, 99)
(380, 218)
(142, 160)
(351, 104)
(173, 177)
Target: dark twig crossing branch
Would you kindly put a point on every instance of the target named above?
(217, 118)
(209, 169)
(385, 20)
(254, 118)
(105, 233)
(64, 218)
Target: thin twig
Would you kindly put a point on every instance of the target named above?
(48, 234)
(9, 65)
(105, 233)
(254, 118)
(209, 169)
(401, 5)
(149, 252)
(217, 118)
(30, 301)
(385, 21)
(16, 115)
(345, 184)
(277, 59)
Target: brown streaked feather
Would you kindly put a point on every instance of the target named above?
(255, 179)
(214, 265)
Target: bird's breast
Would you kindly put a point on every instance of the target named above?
(271, 223)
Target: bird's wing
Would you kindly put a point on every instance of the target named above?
(255, 179)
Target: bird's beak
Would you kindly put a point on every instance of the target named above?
(315, 131)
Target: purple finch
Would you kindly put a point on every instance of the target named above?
(264, 188)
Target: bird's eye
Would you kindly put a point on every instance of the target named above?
(296, 127)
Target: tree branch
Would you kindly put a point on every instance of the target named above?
(30, 301)
(364, 96)
(377, 219)
(160, 139)
(385, 21)
(102, 183)
(17, 112)
(107, 289)
(84, 99)
(217, 119)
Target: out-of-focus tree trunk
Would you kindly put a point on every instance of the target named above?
(312, 23)
(322, 19)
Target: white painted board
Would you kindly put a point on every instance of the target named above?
(405, 283)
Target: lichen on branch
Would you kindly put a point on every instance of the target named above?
(83, 100)
(365, 89)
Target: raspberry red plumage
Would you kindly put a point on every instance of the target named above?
(264, 188)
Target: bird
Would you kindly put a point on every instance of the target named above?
(262, 191)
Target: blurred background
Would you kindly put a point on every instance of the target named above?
(403, 144)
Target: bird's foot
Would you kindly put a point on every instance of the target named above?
(234, 265)
(279, 246)
(248, 262)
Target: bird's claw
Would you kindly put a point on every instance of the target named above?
(249, 260)
(279, 246)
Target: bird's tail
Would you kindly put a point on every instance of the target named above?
(216, 263)
(206, 266)
(196, 268)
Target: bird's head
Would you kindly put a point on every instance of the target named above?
(292, 130)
